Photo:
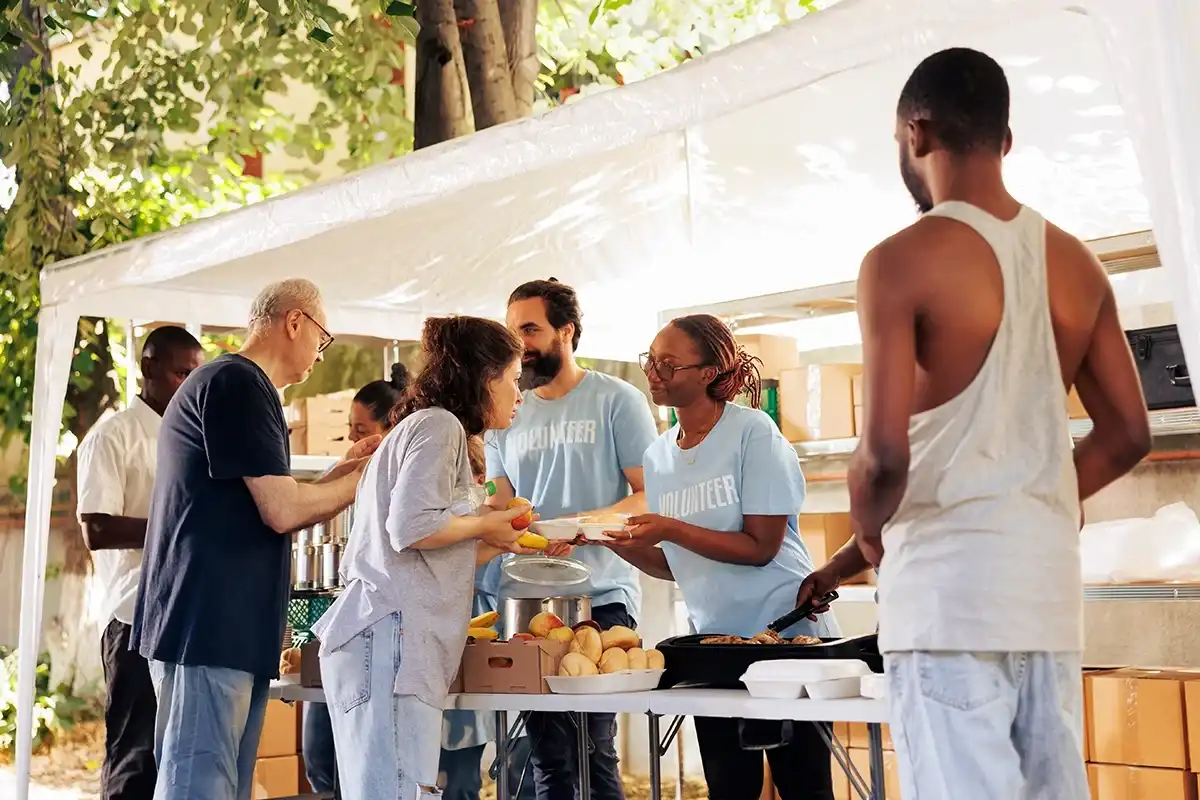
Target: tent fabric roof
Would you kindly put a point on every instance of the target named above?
(772, 161)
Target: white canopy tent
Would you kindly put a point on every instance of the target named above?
(765, 167)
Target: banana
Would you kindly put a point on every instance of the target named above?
(483, 634)
(534, 541)
(485, 620)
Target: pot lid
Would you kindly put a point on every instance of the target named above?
(546, 570)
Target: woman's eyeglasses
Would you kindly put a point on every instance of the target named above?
(663, 370)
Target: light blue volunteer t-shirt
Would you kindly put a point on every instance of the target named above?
(744, 466)
(567, 457)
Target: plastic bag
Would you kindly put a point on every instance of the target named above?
(1159, 549)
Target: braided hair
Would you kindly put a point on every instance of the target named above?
(737, 370)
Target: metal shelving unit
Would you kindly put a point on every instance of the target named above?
(1174, 422)
(1156, 593)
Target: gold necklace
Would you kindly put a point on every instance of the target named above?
(702, 433)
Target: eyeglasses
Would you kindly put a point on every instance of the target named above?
(326, 336)
(664, 371)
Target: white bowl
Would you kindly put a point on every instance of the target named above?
(630, 680)
(836, 689)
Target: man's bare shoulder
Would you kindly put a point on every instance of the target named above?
(903, 258)
(1064, 251)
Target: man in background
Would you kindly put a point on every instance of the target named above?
(965, 489)
(575, 448)
(216, 572)
(116, 463)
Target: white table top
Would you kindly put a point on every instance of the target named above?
(732, 703)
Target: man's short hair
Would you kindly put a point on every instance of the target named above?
(962, 96)
(168, 340)
(560, 300)
(290, 294)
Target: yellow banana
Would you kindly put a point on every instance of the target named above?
(534, 541)
(483, 634)
(484, 620)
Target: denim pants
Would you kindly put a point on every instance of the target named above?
(387, 745)
(989, 726)
(206, 731)
(553, 737)
(320, 762)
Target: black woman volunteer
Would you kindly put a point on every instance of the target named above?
(724, 487)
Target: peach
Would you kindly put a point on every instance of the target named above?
(525, 520)
(541, 625)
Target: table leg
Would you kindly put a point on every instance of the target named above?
(875, 751)
(584, 765)
(655, 758)
(502, 755)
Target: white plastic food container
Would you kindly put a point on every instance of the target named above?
(641, 680)
(603, 531)
(873, 686)
(565, 528)
(836, 689)
(786, 679)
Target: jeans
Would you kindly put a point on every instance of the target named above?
(989, 726)
(129, 771)
(206, 731)
(387, 745)
(800, 768)
(320, 761)
(462, 772)
(553, 740)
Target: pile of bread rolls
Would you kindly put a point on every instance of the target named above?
(289, 661)
(617, 649)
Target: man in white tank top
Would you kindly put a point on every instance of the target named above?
(965, 490)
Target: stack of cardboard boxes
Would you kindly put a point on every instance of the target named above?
(318, 426)
(824, 534)
(279, 771)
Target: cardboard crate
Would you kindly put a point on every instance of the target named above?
(1075, 409)
(310, 665)
(518, 667)
(1137, 717)
(891, 771)
(276, 777)
(824, 534)
(281, 731)
(1120, 782)
(841, 784)
(777, 353)
(816, 402)
(859, 739)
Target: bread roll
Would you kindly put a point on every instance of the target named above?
(574, 665)
(620, 636)
(614, 659)
(289, 661)
(587, 643)
(637, 658)
(654, 660)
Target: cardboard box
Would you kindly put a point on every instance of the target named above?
(310, 665)
(1137, 717)
(1075, 409)
(281, 730)
(1119, 782)
(456, 685)
(511, 667)
(841, 784)
(859, 421)
(1191, 701)
(816, 402)
(858, 736)
(276, 777)
(857, 394)
(891, 771)
(824, 534)
(777, 353)
(319, 425)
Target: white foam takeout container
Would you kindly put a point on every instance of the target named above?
(567, 528)
(601, 531)
(791, 679)
(873, 686)
(630, 680)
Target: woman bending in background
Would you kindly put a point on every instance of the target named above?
(724, 487)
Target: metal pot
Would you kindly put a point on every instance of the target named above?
(518, 611)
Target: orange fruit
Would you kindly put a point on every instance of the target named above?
(525, 520)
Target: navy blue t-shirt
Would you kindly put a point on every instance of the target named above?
(215, 579)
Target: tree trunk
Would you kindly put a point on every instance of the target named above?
(486, 57)
(443, 98)
(520, 36)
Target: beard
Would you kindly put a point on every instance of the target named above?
(543, 368)
(916, 187)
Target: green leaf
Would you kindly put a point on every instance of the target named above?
(11, 39)
(318, 34)
(399, 8)
(269, 6)
(85, 50)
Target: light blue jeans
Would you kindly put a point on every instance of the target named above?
(206, 731)
(388, 746)
(988, 726)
